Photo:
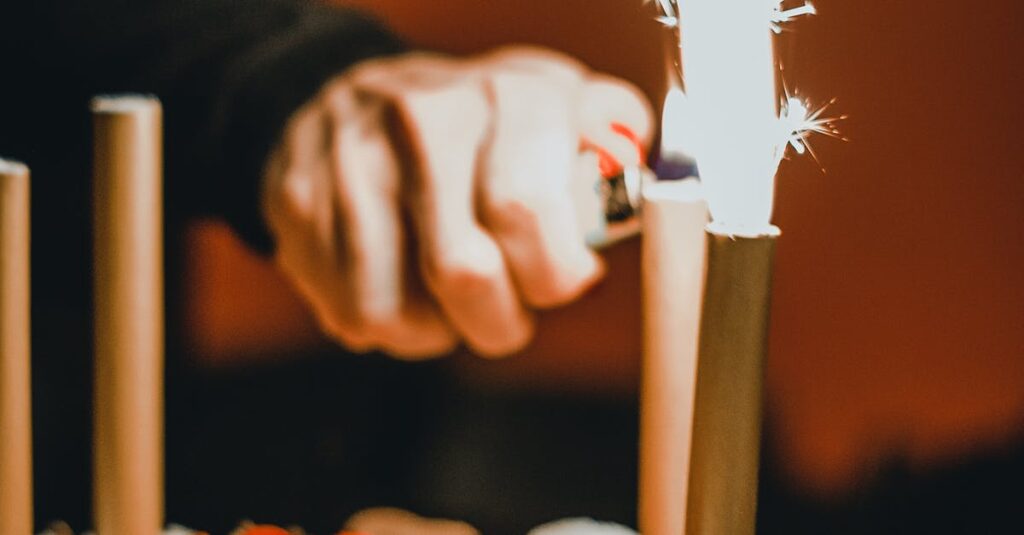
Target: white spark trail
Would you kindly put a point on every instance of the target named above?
(668, 17)
(797, 122)
(781, 16)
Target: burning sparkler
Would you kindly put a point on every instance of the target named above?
(701, 399)
(796, 119)
(780, 15)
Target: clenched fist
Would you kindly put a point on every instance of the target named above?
(419, 201)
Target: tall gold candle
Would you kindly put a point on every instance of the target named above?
(129, 321)
(725, 451)
(15, 366)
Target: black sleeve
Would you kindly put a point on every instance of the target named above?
(229, 73)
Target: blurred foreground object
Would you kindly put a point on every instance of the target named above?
(15, 358)
(470, 160)
(387, 521)
(673, 265)
(129, 315)
(581, 526)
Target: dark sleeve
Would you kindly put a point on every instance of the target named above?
(229, 73)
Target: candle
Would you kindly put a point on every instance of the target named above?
(129, 323)
(15, 384)
(674, 216)
(726, 445)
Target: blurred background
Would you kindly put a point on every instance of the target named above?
(896, 371)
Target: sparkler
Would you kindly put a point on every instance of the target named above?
(709, 411)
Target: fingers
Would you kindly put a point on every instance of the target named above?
(336, 213)
(526, 201)
(298, 206)
(383, 302)
(605, 101)
(599, 99)
(609, 100)
(557, 67)
(443, 129)
(387, 521)
(479, 156)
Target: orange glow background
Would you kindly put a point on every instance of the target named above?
(898, 320)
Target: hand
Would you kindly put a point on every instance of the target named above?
(421, 200)
(388, 521)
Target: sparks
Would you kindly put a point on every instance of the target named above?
(781, 16)
(798, 121)
(668, 16)
(668, 21)
(735, 127)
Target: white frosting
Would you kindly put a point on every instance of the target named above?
(581, 526)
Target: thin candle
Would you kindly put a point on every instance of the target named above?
(15, 383)
(129, 328)
(674, 217)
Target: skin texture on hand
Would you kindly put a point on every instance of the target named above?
(387, 521)
(419, 201)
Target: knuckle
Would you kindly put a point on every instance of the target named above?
(436, 103)
(296, 193)
(528, 191)
(397, 333)
(339, 98)
(467, 270)
(509, 207)
(538, 59)
(511, 342)
(421, 349)
(379, 322)
(568, 280)
(287, 203)
(555, 290)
